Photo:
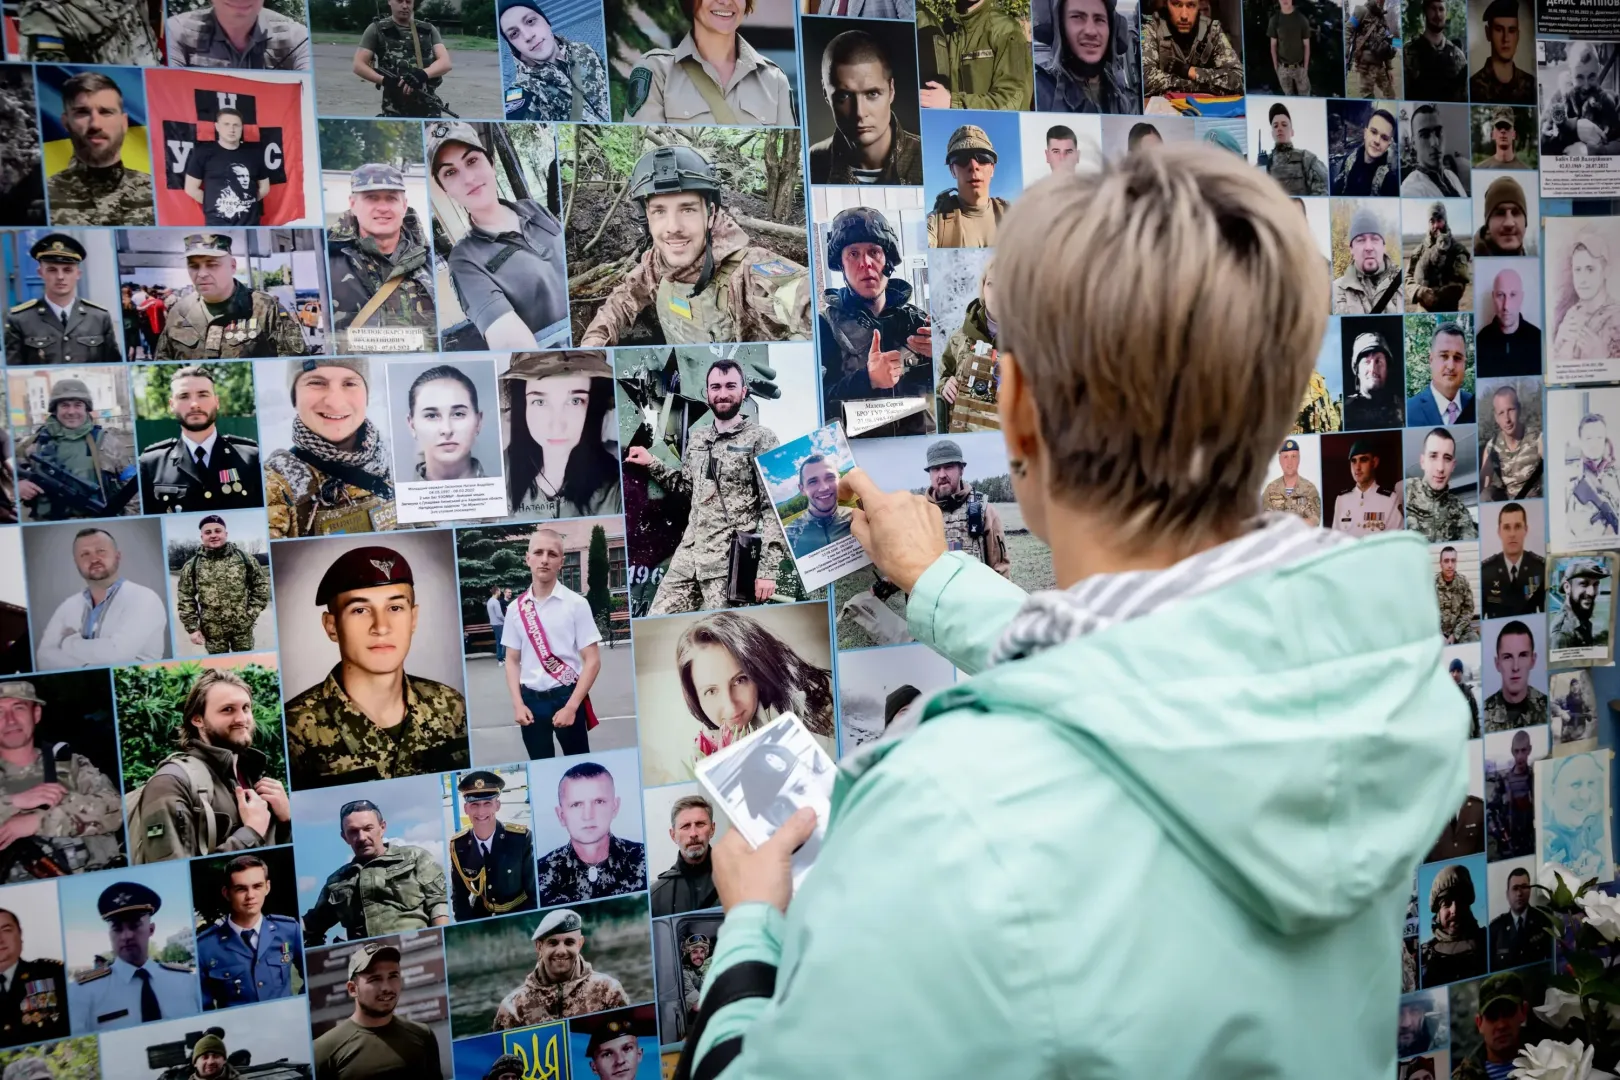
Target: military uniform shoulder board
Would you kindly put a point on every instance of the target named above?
(640, 88)
(24, 306)
(44, 964)
(466, 832)
(241, 440)
(184, 969)
(774, 268)
(92, 976)
(1385, 491)
(91, 303)
(161, 444)
(521, 830)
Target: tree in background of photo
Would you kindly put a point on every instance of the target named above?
(599, 596)
(348, 144)
(233, 385)
(486, 558)
(70, 1059)
(149, 700)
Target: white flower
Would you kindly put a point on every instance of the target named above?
(1549, 1060)
(1602, 914)
(1551, 874)
(1559, 1008)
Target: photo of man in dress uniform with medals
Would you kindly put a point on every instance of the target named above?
(61, 327)
(1514, 580)
(33, 997)
(248, 323)
(492, 864)
(204, 468)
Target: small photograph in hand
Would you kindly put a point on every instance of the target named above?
(762, 780)
(802, 479)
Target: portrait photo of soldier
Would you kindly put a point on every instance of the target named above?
(1573, 700)
(1513, 575)
(268, 35)
(1464, 834)
(876, 338)
(696, 63)
(963, 299)
(389, 981)
(1290, 491)
(1291, 146)
(365, 717)
(1363, 148)
(1504, 137)
(967, 208)
(108, 177)
(1511, 462)
(1364, 472)
(698, 516)
(129, 944)
(1434, 34)
(406, 58)
(1374, 373)
(618, 1042)
(222, 317)
(1087, 56)
(558, 964)
(1501, 52)
(812, 518)
(1580, 100)
(1514, 683)
(492, 860)
(103, 586)
(1366, 258)
(1452, 942)
(1456, 587)
(34, 1002)
(1580, 623)
(712, 261)
(59, 799)
(22, 164)
(1439, 265)
(1506, 212)
(1510, 787)
(205, 777)
(1585, 487)
(973, 55)
(553, 70)
(1422, 1023)
(66, 318)
(1295, 48)
(1434, 151)
(383, 885)
(249, 945)
(1507, 311)
(204, 460)
(588, 848)
(1582, 295)
(76, 457)
(1442, 492)
(1373, 49)
(863, 126)
(1188, 48)
(1439, 371)
(1516, 936)
(1492, 1020)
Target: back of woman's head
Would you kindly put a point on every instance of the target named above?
(1167, 312)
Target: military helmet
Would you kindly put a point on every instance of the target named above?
(1451, 883)
(670, 169)
(69, 390)
(967, 138)
(506, 1066)
(861, 225)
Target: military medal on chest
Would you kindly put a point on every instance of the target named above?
(230, 481)
(975, 406)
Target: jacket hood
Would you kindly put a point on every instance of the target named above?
(1059, 62)
(1301, 741)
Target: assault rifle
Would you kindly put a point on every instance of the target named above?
(68, 492)
(418, 84)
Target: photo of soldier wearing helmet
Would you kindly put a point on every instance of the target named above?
(695, 252)
(877, 369)
(76, 455)
(965, 213)
(1439, 264)
(1453, 945)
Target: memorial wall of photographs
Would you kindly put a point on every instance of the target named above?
(332, 329)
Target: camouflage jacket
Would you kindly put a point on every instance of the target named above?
(253, 324)
(1503, 715)
(115, 195)
(1305, 502)
(1567, 631)
(87, 32)
(1298, 172)
(401, 889)
(719, 478)
(1358, 294)
(277, 42)
(1515, 473)
(539, 999)
(1439, 271)
(356, 270)
(80, 833)
(221, 590)
(330, 741)
(764, 296)
(1435, 72)
(1591, 502)
(1371, 43)
(565, 878)
(1456, 608)
(1438, 515)
(572, 86)
(1318, 413)
(1165, 66)
(103, 457)
(1485, 88)
(301, 500)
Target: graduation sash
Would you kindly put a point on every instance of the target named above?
(529, 616)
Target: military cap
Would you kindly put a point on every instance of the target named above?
(441, 132)
(1368, 343)
(1501, 9)
(507, 1065)
(210, 244)
(898, 699)
(208, 1044)
(481, 786)
(616, 1027)
(20, 691)
(561, 921)
(1289, 444)
(297, 369)
(123, 898)
(357, 806)
(376, 177)
(1361, 446)
(1451, 879)
(1502, 114)
(1578, 568)
(211, 519)
(69, 390)
(1504, 189)
(363, 568)
(28, 1068)
(944, 452)
(1365, 220)
(967, 138)
(362, 958)
(1278, 107)
(1456, 665)
(543, 365)
(57, 247)
(1506, 986)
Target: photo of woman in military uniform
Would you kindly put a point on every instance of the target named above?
(700, 68)
(549, 75)
(559, 418)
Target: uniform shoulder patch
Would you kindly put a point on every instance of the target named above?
(160, 446)
(91, 303)
(24, 306)
(1385, 491)
(49, 44)
(240, 440)
(638, 91)
(184, 969)
(92, 976)
(774, 268)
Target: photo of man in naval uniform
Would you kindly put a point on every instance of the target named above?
(491, 861)
(61, 327)
(1367, 506)
(204, 468)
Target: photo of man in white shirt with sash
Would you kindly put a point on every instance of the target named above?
(552, 655)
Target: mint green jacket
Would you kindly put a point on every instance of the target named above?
(1181, 847)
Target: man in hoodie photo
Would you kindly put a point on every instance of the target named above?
(876, 345)
(1092, 64)
(379, 269)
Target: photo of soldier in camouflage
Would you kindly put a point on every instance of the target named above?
(76, 459)
(1186, 49)
(87, 32)
(1501, 51)
(1510, 426)
(1373, 35)
(1439, 265)
(1510, 785)
(220, 583)
(1585, 484)
(553, 72)
(1442, 490)
(270, 35)
(108, 178)
(1455, 588)
(1433, 37)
